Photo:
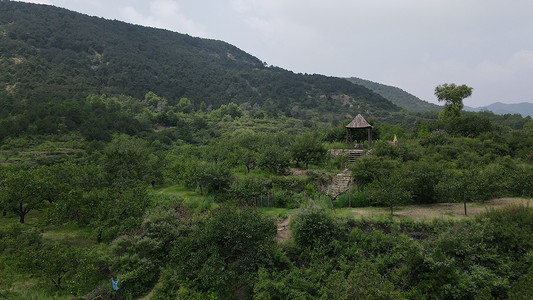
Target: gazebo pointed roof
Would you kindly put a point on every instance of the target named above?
(359, 122)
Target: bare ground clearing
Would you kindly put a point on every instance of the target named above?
(448, 211)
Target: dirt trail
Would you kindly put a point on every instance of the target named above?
(284, 232)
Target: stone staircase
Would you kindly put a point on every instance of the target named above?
(354, 154)
(339, 184)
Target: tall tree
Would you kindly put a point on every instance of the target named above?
(453, 96)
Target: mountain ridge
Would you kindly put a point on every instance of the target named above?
(51, 53)
(523, 108)
(397, 96)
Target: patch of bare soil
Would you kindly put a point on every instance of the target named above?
(453, 211)
(296, 172)
(284, 232)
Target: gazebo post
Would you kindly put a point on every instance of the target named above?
(369, 137)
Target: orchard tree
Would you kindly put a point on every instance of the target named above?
(390, 191)
(129, 162)
(207, 176)
(307, 148)
(23, 191)
(453, 96)
(245, 145)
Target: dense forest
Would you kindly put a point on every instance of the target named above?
(138, 163)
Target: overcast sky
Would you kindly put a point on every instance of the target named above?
(412, 44)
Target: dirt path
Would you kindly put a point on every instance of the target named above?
(284, 232)
(443, 210)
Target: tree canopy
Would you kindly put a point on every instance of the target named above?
(453, 95)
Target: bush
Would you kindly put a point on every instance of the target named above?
(138, 259)
(313, 226)
(422, 177)
(222, 254)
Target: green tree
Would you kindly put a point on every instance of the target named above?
(222, 254)
(207, 176)
(23, 191)
(138, 258)
(244, 146)
(370, 168)
(389, 191)
(114, 212)
(184, 106)
(129, 162)
(453, 96)
(58, 262)
(307, 148)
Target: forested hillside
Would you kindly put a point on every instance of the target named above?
(52, 58)
(397, 96)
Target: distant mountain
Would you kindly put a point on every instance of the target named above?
(49, 55)
(397, 96)
(524, 108)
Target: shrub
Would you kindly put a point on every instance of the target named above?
(222, 254)
(313, 226)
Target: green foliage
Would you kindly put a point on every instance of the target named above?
(22, 191)
(313, 226)
(421, 178)
(390, 191)
(139, 258)
(129, 162)
(222, 254)
(207, 176)
(63, 266)
(244, 147)
(274, 159)
(453, 95)
(246, 191)
(308, 148)
(475, 258)
(369, 168)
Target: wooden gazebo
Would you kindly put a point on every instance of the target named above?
(358, 123)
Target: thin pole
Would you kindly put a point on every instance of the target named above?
(349, 196)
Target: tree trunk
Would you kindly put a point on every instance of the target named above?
(99, 237)
(464, 203)
(21, 213)
(391, 211)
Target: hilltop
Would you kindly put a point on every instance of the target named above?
(397, 96)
